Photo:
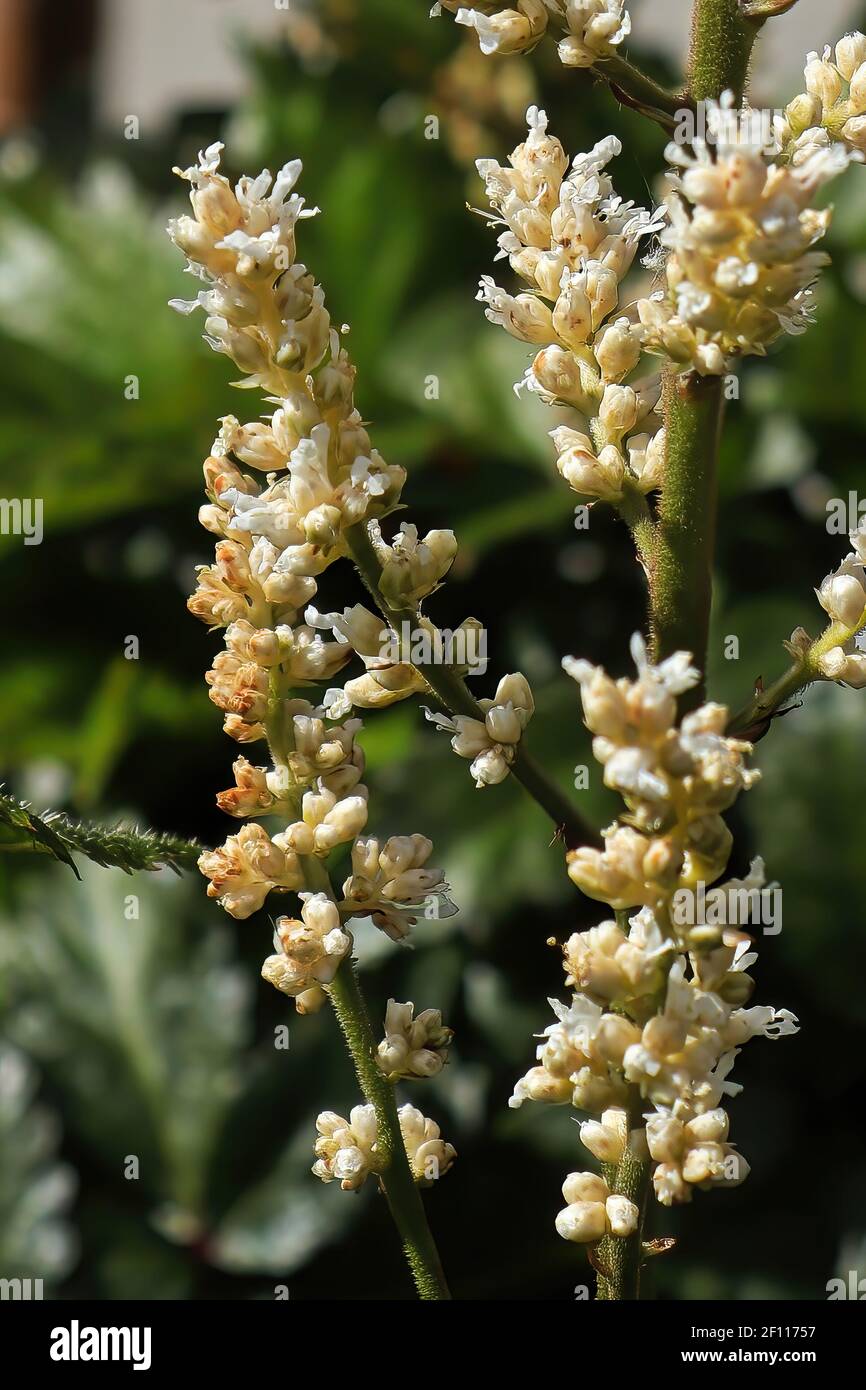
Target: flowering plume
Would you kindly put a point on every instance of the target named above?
(743, 228)
(659, 1010)
(572, 239)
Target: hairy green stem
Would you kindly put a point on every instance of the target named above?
(620, 1257)
(398, 1183)
(456, 697)
(350, 1007)
(682, 560)
(721, 47)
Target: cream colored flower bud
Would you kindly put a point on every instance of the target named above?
(557, 373)
(514, 689)
(850, 53)
(503, 724)
(593, 1090)
(857, 92)
(709, 1128)
(507, 31)
(704, 1163)
(848, 667)
(615, 1035)
(582, 1222)
(842, 595)
(622, 1215)
(310, 1001)
(803, 112)
(618, 349)
(605, 1141)
(822, 81)
(854, 133)
(572, 313)
(585, 1187)
(665, 1138)
(618, 411)
(523, 315)
(538, 1084)
(670, 1187)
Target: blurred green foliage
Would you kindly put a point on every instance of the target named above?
(133, 1004)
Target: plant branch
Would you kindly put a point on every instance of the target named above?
(755, 718)
(398, 1183)
(721, 48)
(635, 89)
(621, 1256)
(111, 846)
(454, 694)
(681, 569)
(346, 995)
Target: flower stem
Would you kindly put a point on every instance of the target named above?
(350, 1007)
(456, 697)
(682, 560)
(753, 720)
(398, 1183)
(721, 46)
(634, 88)
(621, 1256)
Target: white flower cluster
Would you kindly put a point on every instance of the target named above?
(833, 106)
(593, 1211)
(593, 28)
(393, 884)
(308, 952)
(572, 240)
(676, 779)
(348, 1151)
(275, 535)
(660, 1008)
(415, 1045)
(491, 742)
(743, 225)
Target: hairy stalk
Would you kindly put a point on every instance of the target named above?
(350, 1007)
(721, 47)
(620, 1258)
(457, 698)
(400, 1188)
(681, 572)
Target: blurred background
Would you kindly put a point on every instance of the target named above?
(137, 1028)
